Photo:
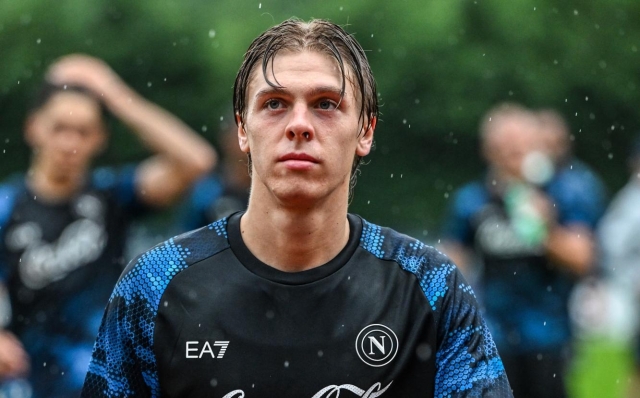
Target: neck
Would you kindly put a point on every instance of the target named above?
(295, 239)
(52, 184)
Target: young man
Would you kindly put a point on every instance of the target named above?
(63, 227)
(533, 242)
(295, 297)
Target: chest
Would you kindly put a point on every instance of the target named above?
(244, 338)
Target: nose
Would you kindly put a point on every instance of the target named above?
(69, 140)
(300, 126)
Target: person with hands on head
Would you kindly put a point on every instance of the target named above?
(296, 297)
(63, 225)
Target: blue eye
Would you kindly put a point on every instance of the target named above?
(326, 104)
(273, 104)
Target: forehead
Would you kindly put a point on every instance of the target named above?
(72, 104)
(513, 130)
(300, 70)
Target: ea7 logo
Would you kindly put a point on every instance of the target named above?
(195, 350)
(376, 345)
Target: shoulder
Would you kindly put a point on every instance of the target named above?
(8, 193)
(431, 267)
(470, 197)
(148, 275)
(577, 176)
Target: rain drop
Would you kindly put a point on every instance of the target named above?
(424, 352)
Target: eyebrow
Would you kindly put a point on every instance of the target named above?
(313, 93)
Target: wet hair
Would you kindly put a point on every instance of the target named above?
(49, 90)
(316, 35)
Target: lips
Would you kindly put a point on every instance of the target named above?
(298, 161)
(299, 157)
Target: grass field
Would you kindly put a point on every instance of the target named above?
(601, 369)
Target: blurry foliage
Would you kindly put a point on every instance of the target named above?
(439, 65)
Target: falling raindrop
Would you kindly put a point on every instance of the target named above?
(423, 351)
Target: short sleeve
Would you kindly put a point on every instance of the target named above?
(8, 194)
(121, 183)
(466, 202)
(467, 360)
(123, 363)
(121, 355)
(579, 195)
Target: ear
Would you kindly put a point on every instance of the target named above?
(31, 131)
(243, 140)
(103, 140)
(365, 140)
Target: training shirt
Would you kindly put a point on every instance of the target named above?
(200, 316)
(60, 261)
(525, 295)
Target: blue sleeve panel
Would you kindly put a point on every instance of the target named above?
(123, 363)
(466, 202)
(467, 360)
(8, 195)
(579, 195)
(121, 183)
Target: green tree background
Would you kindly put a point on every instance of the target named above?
(440, 64)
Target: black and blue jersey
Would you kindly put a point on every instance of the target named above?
(525, 294)
(200, 316)
(59, 262)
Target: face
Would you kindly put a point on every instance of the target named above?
(66, 133)
(303, 137)
(507, 145)
(554, 142)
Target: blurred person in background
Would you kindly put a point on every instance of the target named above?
(63, 225)
(619, 237)
(531, 250)
(221, 194)
(576, 188)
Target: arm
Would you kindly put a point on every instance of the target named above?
(572, 247)
(467, 360)
(14, 361)
(122, 363)
(181, 155)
